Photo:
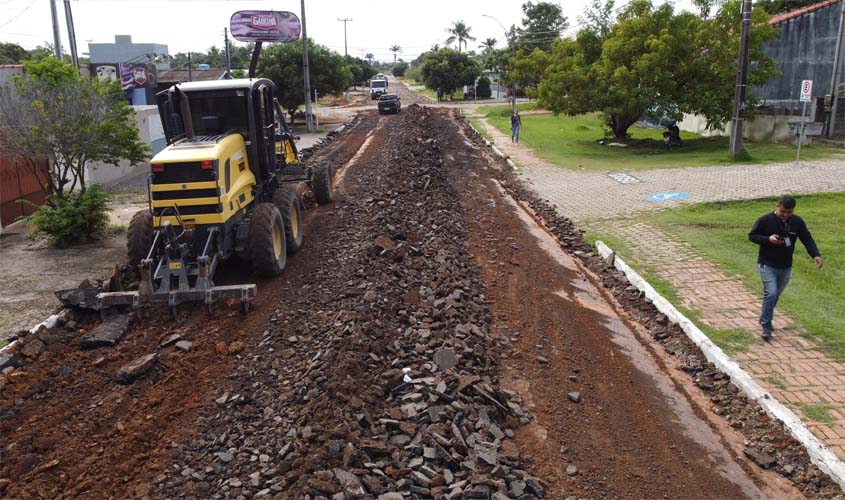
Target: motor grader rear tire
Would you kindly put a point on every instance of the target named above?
(267, 246)
(286, 200)
(139, 237)
(321, 183)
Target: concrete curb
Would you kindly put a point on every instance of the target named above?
(819, 454)
(49, 323)
(494, 148)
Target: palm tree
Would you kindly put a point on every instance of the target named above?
(435, 47)
(488, 44)
(369, 57)
(460, 32)
(395, 49)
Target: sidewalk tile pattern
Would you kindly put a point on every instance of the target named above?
(791, 367)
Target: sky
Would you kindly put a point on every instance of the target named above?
(196, 25)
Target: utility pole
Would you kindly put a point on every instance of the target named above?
(57, 38)
(741, 81)
(190, 67)
(228, 57)
(837, 71)
(309, 124)
(71, 35)
(345, 52)
(512, 42)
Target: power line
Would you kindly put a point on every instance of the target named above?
(19, 13)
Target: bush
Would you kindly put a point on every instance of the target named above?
(77, 218)
(483, 87)
(415, 74)
(400, 69)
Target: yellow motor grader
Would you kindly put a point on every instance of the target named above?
(227, 184)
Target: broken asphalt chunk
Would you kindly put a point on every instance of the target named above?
(136, 369)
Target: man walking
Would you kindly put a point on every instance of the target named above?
(776, 233)
(516, 124)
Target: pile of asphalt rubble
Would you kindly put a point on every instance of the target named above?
(379, 382)
(766, 441)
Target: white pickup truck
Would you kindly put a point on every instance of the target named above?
(378, 86)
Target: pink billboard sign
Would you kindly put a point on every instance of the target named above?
(265, 26)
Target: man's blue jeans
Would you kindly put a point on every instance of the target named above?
(774, 282)
(515, 133)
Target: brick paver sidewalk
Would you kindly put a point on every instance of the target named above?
(791, 367)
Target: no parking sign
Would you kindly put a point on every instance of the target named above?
(806, 90)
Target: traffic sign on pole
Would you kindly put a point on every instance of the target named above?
(806, 90)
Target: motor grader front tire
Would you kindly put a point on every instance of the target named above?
(286, 200)
(321, 183)
(139, 237)
(267, 246)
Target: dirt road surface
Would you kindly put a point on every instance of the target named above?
(430, 338)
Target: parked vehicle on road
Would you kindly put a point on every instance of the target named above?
(388, 103)
(377, 87)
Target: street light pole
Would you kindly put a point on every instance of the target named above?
(71, 35)
(345, 51)
(57, 38)
(512, 43)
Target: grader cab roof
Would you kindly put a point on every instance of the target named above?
(240, 83)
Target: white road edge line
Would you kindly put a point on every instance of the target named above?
(819, 454)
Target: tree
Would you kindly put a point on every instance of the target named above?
(52, 113)
(488, 45)
(41, 52)
(435, 47)
(12, 53)
(528, 69)
(361, 70)
(482, 88)
(778, 6)
(369, 57)
(459, 31)
(598, 17)
(395, 49)
(282, 63)
(448, 69)
(400, 69)
(655, 62)
(543, 24)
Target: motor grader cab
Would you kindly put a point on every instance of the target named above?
(227, 184)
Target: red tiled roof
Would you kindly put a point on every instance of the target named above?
(787, 16)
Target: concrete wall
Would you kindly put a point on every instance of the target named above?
(149, 128)
(9, 71)
(804, 51)
(763, 128)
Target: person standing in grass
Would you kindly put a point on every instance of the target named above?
(516, 124)
(777, 233)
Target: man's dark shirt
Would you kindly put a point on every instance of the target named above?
(780, 256)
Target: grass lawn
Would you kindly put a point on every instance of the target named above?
(814, 298)
(572, 142)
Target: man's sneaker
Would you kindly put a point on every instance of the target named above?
(767, 334)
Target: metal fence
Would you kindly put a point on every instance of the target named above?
(18, 183)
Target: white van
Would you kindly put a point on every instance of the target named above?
(378, 87)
